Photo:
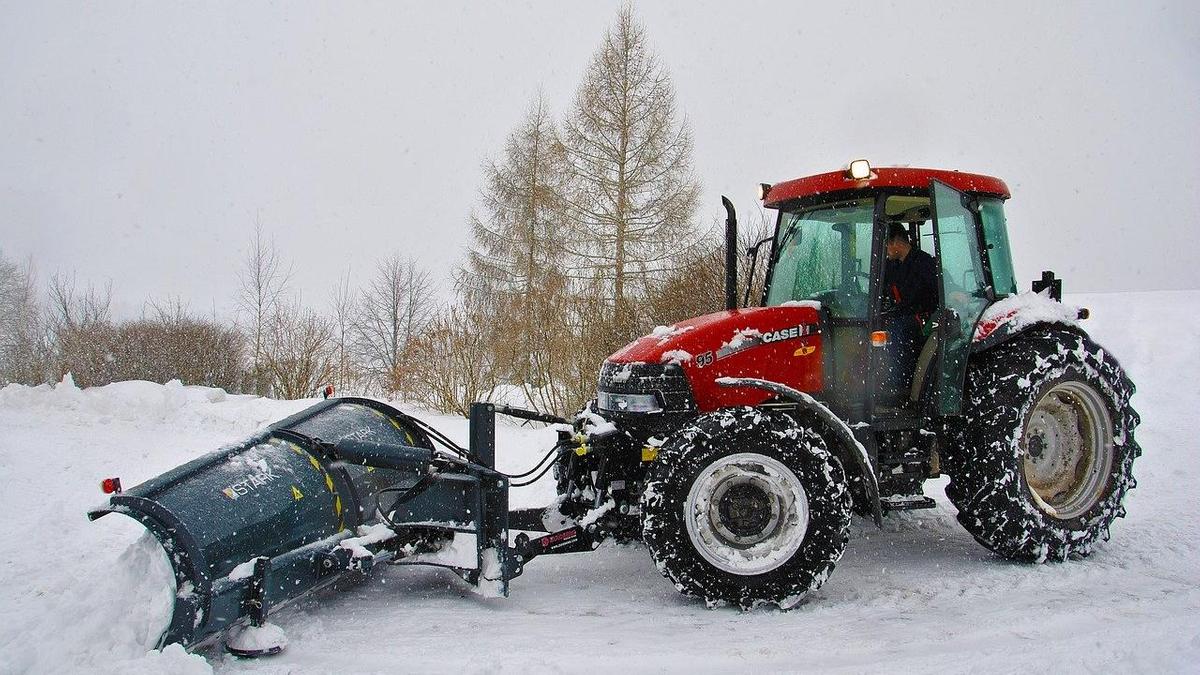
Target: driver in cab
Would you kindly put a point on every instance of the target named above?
(910, 285)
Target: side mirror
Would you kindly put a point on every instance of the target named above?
(752, 254)
(1048, 281)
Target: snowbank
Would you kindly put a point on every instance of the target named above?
(917, 596)
(90, 620)
(144, 402)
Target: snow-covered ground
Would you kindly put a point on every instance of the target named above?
(918, 596)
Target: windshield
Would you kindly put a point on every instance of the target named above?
(824, 253)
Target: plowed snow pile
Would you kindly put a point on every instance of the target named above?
(918, 596)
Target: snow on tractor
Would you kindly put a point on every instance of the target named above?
(736, 445)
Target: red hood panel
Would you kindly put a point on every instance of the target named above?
(781, 344)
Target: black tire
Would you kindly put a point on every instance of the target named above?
(746, 446)
(1026, 485)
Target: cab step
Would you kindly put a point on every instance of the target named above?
(907, 502)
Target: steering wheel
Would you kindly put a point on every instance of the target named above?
(861, 281)
(888, 306)
(846, 299)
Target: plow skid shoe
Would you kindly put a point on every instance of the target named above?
(256, 525)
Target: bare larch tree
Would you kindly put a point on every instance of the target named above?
(515, 263)
(632, 195)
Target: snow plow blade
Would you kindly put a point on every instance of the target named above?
(329, 491)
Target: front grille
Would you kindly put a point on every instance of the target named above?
(668, 380)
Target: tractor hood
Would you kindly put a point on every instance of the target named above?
(781, 344)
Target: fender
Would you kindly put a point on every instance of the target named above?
(1016, 314)
(841, 432)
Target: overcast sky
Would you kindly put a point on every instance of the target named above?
(139, 142)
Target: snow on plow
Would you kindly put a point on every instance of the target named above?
(329, 491)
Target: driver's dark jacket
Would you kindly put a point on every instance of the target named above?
(912, 284)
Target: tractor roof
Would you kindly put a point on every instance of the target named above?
(883, 177)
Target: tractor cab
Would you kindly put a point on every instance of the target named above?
(830, 246)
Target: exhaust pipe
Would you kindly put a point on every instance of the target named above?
(731, 240)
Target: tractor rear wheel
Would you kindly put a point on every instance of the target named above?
(1046, 451)
(745, 506)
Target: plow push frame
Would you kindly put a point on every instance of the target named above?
(255, 526)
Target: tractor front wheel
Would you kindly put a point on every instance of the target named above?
(1046, 451)
(746, 507)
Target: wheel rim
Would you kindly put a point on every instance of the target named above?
(1068, 450)
(746, 513)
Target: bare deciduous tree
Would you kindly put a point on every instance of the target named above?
(698, 285)
(456, 362)
(395, 307)
(264, 281)
(575, 341)
(24, 344)
(169, 310)
(301, 357)
(344, 308)
(71, 307)
(78, 321)
(175, 345)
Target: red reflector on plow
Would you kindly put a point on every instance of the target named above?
(111, 486)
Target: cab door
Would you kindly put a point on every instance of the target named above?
(962, 288)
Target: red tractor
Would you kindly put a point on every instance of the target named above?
(737, 444)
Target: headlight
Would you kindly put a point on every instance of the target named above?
(637, 403)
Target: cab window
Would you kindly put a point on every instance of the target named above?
(825, 255)
(995, 235)
(913, 212)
